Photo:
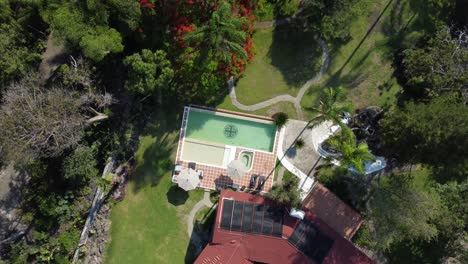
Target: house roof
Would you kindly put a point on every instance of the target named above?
(229, 246)
(329, 208)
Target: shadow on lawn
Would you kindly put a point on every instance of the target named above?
(156, 160)
(176, 196)
(201, 235)
(296, 54)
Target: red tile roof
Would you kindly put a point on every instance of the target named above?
(328, 207)
(237, 247)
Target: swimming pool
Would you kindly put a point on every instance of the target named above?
(227, 129)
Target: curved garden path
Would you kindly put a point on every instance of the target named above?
(194, 237)
(285, 97)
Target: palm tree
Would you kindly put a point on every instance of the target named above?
(328, 109)
(222, 34)
(351, 155)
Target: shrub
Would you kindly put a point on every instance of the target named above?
(280, 119)
(300, 143)
(80, 165)
(287, 192)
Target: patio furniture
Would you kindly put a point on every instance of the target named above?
(253, 181)
(236, 169)
(188, 179)
(200, 174)
(261, 182)
(192, 165)
(178, 168)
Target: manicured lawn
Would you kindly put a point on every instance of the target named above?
(286, 107)
(369, 75)
(148, 226)
(285, 58)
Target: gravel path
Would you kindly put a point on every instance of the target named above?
(285, 97)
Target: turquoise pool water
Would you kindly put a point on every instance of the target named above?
(227, 130)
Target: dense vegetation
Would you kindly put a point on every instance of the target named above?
(126, 61)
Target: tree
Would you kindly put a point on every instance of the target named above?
(280, 119)
(350, 154)
(222, 35)
(452, 227)
(329, 108)
(287, 192)
(17, 54)
(38, 122)
(84, 26)
(330, 18)
(148, 71)
(402, 211)
(434, 13)
(439, 67)
(79, 165)
(432, 133)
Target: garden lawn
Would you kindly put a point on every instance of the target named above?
(364, 65)
(148, 226)
(284, 60)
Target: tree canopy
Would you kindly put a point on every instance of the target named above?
(85, 25)
(37, 122)
(400, 210)
(221, 35)
(351, 154)
(439, 67)
(287, 192)
(432, 133)
(148, 71)
(331, 107)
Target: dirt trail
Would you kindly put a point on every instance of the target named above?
(53, 56)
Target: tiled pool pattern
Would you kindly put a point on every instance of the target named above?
(216, 177)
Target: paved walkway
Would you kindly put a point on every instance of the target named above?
(285, 97)
(195, 238)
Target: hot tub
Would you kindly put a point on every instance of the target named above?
(246, 157)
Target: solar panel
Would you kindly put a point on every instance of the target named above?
(247, 218)
(308, 239)
(297, 234)
(237, 216)
(251, 218)
(277, 228)
(258, 219)
(268, 221)
(228, 206)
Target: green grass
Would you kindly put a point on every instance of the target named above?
(148, 226)
(369, 74)
(284, 60)
(286, 107)
(204, 219)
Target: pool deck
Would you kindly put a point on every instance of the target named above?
(217, 178)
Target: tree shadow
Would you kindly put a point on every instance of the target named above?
(176, 196)
(201, 235)
(369, 31)
(155, 162)
(295, 53)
